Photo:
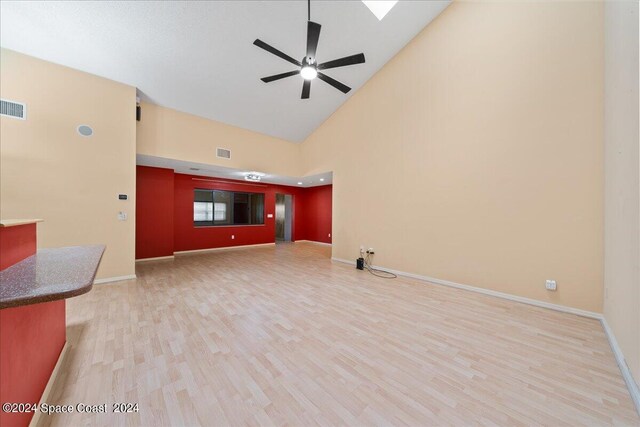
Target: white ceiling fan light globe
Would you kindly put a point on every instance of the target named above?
(308, 72)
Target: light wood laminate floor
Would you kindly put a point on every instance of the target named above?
(283, 336)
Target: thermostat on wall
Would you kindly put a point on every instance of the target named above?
(122, 197)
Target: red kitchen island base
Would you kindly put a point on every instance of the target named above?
(31, 340)
(33, 288)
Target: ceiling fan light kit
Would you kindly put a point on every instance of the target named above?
(309, 69)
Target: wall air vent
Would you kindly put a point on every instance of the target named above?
(224, 153)
(13, 109)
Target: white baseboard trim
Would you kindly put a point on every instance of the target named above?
(158, 258)
(524, 300)
(47, 390)
(225, 248)
(315, 242)
(632, 385)
(113, 279)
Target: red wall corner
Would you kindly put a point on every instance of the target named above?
(316, 214)
(154, 212)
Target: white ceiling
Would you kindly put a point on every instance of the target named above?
(203, 169)
(198, 56)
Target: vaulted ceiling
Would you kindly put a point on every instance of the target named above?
(198, 57)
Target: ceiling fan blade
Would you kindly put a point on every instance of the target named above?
(341, 87)
(280, 76)
(313, 34)
(276, 52)
(306, 88)
(347, 60)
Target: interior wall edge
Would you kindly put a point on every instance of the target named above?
(627, 375)
(622, 177)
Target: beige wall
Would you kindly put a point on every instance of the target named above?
(47, 170)
(167, 133)
(622, 179)
(476, 154)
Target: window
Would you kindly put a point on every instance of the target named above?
(203, 211)
(217, 207)
(220, 212)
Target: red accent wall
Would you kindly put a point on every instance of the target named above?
(155, 237)
(16, 243)
(187, 237)
(31, 339)
(154, 212)
(315, 209)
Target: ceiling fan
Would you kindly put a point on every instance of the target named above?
(309, 68)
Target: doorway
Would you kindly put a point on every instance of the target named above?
(284, 217)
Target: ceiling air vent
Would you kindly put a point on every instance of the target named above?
(13, 109)
(224, 153)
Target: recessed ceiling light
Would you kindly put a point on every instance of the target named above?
(194, 169)
(299, 183)
(321, 179)
(380, 7)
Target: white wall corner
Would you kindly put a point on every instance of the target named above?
(632, 385)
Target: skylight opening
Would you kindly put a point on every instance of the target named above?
(380, 7)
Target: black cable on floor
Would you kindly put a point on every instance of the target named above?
(377, 272)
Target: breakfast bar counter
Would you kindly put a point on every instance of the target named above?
(49, 275)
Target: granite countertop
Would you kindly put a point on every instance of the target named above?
(49, 275)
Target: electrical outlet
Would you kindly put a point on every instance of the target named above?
(370, 251)
(551, 285)
(122, 216)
